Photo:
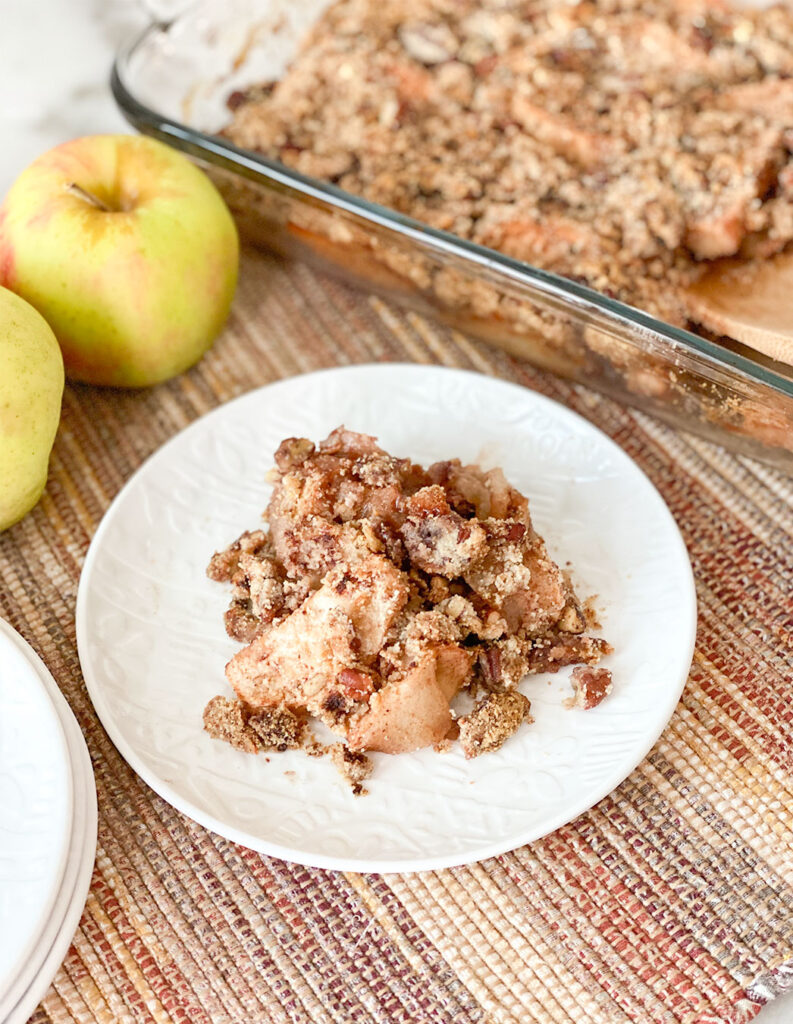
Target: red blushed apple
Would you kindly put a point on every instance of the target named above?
(128, 252)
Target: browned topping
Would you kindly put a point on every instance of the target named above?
(224, 564)
(620, 143)
(591, 685)
(353, 766)
(312, 745)
(226, 719)
(275, 728)
(493, 720)
(378, 593)
(335, 702)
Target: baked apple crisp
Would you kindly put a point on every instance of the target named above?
(623, 143)
(379, 591)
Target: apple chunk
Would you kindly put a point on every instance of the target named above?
(413, 711)
(127, 250)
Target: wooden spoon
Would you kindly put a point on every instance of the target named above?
(750, 301)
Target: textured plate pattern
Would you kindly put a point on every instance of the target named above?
(35, 809)
(153, 648)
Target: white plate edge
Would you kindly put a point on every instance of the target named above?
(82, 773)
(19, 645)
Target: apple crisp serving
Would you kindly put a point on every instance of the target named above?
(623, 143)
(379, 591)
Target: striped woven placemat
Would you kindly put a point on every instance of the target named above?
(671, 901)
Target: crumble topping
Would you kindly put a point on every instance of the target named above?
(354, 767)
(493, 720)
(270, 728)
(379, 591)
(621, 143)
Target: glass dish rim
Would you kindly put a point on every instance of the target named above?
(255, 165)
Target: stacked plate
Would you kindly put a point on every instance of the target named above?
(47, 827)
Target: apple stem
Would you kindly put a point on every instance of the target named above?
(89, 197)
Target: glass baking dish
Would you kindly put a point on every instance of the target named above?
(172, 82)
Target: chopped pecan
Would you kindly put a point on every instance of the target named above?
(490, 666)
(515, 531)
(591, 686)
(240, 623)
(355, 684)
(235, 99)
(444, 544)
(292, 452)
(573, 617)
(554, 651)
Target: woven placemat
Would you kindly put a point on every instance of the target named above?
(671, 901)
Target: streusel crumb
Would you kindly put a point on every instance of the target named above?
(622, 143)
(270, 728)
(354, 767)
(226, 719)
(276, 728)
(493, 720)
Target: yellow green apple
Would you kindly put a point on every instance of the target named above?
(127, 250)
(31, 388)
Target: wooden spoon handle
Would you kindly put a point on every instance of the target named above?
(751, 302)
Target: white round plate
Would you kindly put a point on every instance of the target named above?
(35, 809)
(34, 979)
(153, 646)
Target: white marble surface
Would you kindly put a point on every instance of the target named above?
(55, 58)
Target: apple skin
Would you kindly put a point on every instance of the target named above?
(31, 388)
(127, 250)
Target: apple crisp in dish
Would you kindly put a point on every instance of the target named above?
(377, 592)
(626, 144)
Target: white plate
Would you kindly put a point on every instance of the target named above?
(32, 982)
(153, 647)
(35, 809)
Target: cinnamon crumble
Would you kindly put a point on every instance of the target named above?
(377, 593)
(622, 143)
(493, 720)
(354, 767)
